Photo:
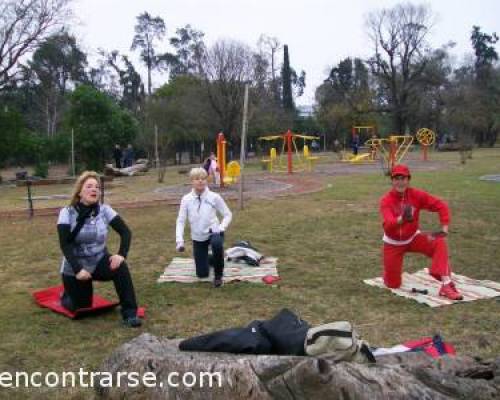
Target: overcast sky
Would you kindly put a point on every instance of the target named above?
(319, 33)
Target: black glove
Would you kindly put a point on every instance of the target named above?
(180, 248)
(407, 213)
(438, 234)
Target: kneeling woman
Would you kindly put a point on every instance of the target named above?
(83, 230)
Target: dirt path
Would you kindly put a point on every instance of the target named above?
(257, 185)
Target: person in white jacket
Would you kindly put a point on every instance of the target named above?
(200, 208)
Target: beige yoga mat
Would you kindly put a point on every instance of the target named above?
(471, 289)
(183, 270)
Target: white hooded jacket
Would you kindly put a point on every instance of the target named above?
(201, 211)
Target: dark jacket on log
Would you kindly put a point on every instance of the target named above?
(284, 334)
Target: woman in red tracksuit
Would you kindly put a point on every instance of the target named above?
(400, 209)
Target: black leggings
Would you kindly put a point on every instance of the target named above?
(200, 252)
(78, 294)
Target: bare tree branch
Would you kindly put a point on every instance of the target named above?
(23, 25)
(399, 36)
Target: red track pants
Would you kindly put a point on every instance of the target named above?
(437, 249)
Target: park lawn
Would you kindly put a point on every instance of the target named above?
(327, 243)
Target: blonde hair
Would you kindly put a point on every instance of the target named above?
(84, 177)
(198, 173)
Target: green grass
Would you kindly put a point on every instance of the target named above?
(326, 242)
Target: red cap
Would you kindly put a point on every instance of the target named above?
(400, 170)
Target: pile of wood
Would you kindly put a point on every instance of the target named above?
(140, 167)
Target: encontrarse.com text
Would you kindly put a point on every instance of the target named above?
(86, 379)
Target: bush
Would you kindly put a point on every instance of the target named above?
(41, 169)
(98, 124)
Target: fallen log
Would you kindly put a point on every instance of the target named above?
(141, 166)
(400, 376)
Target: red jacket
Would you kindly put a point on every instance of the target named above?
(392, 204)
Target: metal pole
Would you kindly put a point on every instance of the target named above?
(288, 137)
(157, 155)
(73, 168)
(30, 199)
(242, 147)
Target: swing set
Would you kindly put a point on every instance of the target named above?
(276, 162)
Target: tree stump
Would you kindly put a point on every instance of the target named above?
(401, 376)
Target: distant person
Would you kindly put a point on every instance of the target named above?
(117, 155)
(129, 156)
(355, 144)
(200, 207)
(213, 170)
(336, 145)
(400, 210)
(206, 165)
(83, 229)
(373, 146)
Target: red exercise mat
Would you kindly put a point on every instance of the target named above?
(51, 298)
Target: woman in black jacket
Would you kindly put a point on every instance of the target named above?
(83, 229)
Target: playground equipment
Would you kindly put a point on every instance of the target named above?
(426, 138)
(394, 148)
(276, 163)
(233, 171)
(228, 172)
(354, 157)
(221, 156)
(311, 160)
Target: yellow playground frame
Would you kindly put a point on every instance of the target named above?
(276, 163)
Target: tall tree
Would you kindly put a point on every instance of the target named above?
(189, 48)
(286, 75)
(270, 46)
(132, 94)
(23, 25)
(487, 88)
(56, 65)
(345, 98)
(98, 123)
(183, 116)
(485, 52)
(426, 104)
(147, 31)
(401, 54)
(227, 66)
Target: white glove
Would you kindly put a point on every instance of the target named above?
(216, 229)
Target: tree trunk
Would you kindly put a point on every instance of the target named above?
(236, 376)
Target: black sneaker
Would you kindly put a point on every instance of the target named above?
(132, 322)
(218, 282)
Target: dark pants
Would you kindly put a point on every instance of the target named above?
(78, 294)
(118, 162)
(200, 250)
